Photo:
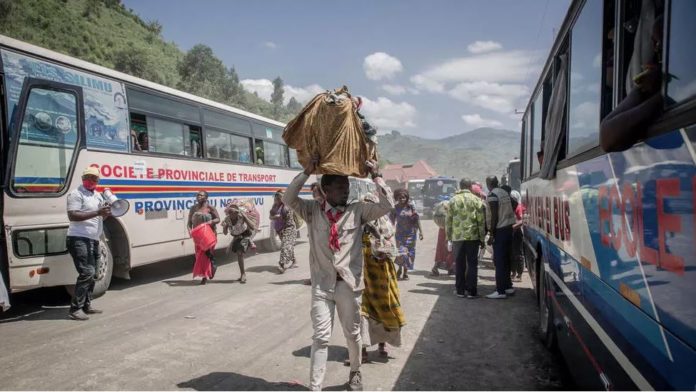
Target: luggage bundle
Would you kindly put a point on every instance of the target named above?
(440, 213)
(331, 126)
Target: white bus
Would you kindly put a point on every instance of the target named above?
(59, 115)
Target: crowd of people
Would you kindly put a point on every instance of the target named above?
(358, 251)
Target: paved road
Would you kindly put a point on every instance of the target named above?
(163, 331)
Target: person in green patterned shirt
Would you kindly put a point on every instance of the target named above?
(465, 235)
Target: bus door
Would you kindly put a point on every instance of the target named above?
(3, 166)
(45, 132)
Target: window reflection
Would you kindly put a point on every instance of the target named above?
(682, 58)
(585, 78)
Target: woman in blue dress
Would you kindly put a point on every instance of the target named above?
(407, 222)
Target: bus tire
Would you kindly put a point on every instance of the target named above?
(272, 243)
(103, 273)
(547, 332)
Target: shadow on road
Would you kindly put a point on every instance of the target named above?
(228, 381)
(287, 282)
(197, 282)
(336, 353)
(264, 268)
(50, 303)
(479, 344)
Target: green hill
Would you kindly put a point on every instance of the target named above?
(104, 32)
(475, 154)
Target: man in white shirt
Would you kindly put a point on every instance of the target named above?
(86, 211)
(336, 262)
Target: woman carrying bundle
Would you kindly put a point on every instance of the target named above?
(284, 224)
(205, 238)
(241, 227)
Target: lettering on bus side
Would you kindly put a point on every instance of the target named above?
(130, 172)
(550, 214)
(144, 206)
(626, 200)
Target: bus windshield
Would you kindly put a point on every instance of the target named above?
(435, 188)
(415, 189)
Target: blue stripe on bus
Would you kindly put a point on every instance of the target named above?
(626, 324)
(166, 195)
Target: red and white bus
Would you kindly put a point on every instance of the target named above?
(60, 115)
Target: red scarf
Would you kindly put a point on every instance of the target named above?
(333, 232)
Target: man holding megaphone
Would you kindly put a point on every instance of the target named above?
(86, 211)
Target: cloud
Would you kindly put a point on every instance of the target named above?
(397, 89)
(380, 66)
(475, 120)
(394, 89)
(387, 114)
(484, 46)
(423, 83)
(302, 94)
(510, 66)
(498, 97)
(264, 89)
(270, 45)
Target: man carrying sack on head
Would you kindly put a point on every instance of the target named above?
(336, 261)
(86, 211)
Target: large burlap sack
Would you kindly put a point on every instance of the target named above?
(331, 128)
(440, 213)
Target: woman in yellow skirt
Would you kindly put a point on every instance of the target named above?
(382, 315)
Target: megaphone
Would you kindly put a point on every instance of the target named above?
(118, 206)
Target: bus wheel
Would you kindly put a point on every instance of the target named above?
(272, 244)
(105, 268)
(547, 332)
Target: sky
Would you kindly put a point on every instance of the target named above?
(431, 68)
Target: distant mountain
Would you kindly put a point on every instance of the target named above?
(475, 154)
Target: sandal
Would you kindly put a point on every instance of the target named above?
(242, 279)
(434, 272)
(382, 350)
(405, 277)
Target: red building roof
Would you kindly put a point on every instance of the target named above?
(403, 173)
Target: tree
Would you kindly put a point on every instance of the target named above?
(5, 9)
(154, 27)
(92, 7)
(232, 89)
(133, 61)
(294, 106)
(202, 73)
(278, 91)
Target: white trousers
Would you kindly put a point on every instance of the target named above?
(347, 303)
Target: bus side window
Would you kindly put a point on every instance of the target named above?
(259, 152)
(681, 59)
(640, 39)
(139, 138)
(585, 78)
(195, 149)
